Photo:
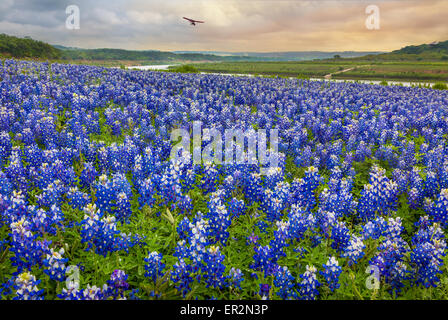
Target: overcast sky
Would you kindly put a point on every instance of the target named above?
(246, 25)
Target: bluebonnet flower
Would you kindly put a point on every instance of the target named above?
(428, 252)
(49, 118)
(88, 175)
(439, 210)
(46, 221)
(284, 280)
(16, 173)
(219, 218)
(154, 266)
(340, 235)
(117, 285)
(105, 194)
(236, 208)
(209, 179)
(71, 292)
(331, 273)
(300, 222)
(213, 268)
(182, 277)
(27, 250)
(272, 205)
(265, 260)
(5, 185)
(415, 198)
(379, 196)
(26, 286)
(355, 250)
(185, 205)
(55, 264)
(274, 176)
(390, 262)
(77, 199)
(146, 193)
(374, 228)
(235, 278)
(170, 185)
(252, 239)
(427, 261)
(253, 189)
(264, 291)
(51, 195)
(303, 189)
(326, 220)
(6, 288)
(123, 208)
(281, 236)
(93, 293)
(198, 238)
(229, 185)
(309, 284)
(102, 233)
(431, 184)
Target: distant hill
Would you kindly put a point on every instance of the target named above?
(290, 55)
(11, 46)
(436, 51)
(432, 48)
(146, 55)
(15, 47)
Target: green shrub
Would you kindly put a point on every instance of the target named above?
(302, 76)
(384, 83)
(440, 86)
(185, 69)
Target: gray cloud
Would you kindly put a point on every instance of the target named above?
(258, 25)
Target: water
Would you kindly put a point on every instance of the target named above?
(151, 67)
(402, 83)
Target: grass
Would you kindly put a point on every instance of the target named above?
(271, 68)
(184, 69)
(440, 86)
(369, 70)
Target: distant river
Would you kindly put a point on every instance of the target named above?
(153, 67)
(403, 83)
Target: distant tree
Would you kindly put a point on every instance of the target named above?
(440, 86)
(27, 48)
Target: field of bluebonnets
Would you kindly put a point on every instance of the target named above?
(91, 206)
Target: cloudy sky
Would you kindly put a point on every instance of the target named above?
(246, 25)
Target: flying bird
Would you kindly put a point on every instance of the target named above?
(192, 21)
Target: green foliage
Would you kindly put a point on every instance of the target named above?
(301, 70)
(144, 56)
(425, 48)
(27, 48)
(302, 77)
(185, 69)
(440, 86)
